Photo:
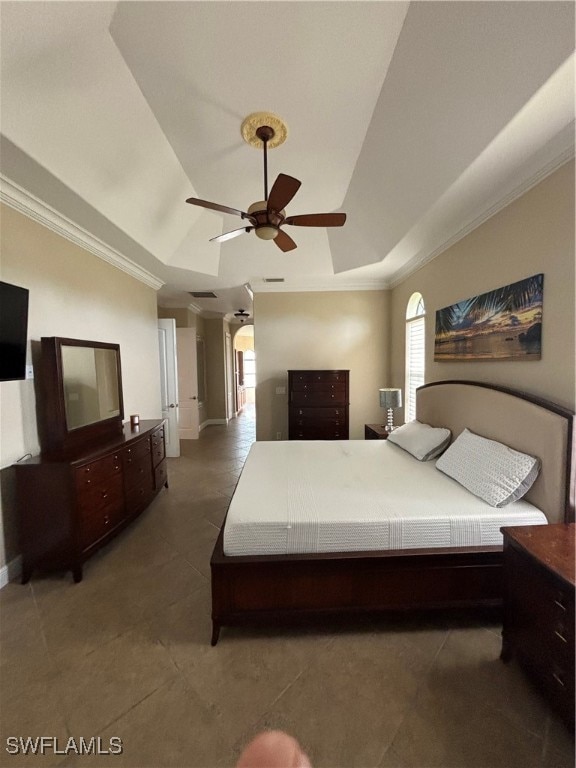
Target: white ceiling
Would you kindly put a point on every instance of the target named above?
(417, 119)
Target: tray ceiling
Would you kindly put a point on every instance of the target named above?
(417, 119)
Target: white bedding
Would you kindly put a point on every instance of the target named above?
(354, 495)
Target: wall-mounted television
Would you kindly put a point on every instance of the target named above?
(13, 331)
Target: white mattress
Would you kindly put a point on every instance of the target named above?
(354, 495)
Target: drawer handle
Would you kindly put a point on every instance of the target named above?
(560, 636)
(560, 605)
(106, 519)
(333, 396)
(104, 494)
(86, 469)
(558, 680)
(88, 481)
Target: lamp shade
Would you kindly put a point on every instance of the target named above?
(390, 398)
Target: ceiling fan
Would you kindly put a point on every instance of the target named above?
(267, 216)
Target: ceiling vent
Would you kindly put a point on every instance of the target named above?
(273, 279)
(203, 294)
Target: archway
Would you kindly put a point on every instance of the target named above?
(244, 367)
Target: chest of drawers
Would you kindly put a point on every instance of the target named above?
(539, 609)
(318, 405)
(68, 507)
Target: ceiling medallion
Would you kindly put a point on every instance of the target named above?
(256, 120)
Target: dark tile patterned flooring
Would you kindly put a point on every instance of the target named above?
(127, 653)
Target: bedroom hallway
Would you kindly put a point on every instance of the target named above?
(126, 653)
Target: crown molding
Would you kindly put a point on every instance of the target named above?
(178, 304)
(419, 261)
(24, 202)
(375, 284)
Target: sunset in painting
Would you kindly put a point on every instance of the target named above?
(504, 324)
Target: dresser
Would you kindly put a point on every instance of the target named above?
(318, 405)
(71, 505)
(539, 609)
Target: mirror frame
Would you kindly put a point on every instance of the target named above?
(55, 436)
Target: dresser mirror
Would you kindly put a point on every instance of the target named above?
(81, 394)
(90, 381)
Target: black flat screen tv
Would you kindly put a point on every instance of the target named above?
(13, 331)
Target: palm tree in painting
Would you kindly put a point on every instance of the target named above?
(481, 310)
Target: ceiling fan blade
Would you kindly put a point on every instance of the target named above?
(283, 190)
(217, 207)
(230, 235)
(284, 241)
(317, 220)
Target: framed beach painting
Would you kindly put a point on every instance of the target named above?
(504, 324)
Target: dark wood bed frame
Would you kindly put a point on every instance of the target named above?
(306, 587)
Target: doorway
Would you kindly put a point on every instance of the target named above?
(244, 368)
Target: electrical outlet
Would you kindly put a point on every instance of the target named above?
(280, 390)
(278, 435)
(29, 372)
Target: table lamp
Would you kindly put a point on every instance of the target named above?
(390, 399)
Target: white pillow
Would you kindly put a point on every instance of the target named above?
(421, 440)
(488, 469)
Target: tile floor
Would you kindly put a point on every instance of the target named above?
(126, 653)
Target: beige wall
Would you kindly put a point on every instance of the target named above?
(320, 330)
(77, 295)
(215, 372)
(533, 234)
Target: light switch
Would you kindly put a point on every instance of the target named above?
(280, 390)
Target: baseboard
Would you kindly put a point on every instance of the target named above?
(210, 422)
(11, 571)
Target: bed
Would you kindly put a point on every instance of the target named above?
(386, 542)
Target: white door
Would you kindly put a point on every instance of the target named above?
(169, 383)
(229, 379)
(187, 383)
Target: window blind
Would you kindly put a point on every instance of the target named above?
(414, 364)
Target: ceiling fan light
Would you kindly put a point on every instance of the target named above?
(266, 232)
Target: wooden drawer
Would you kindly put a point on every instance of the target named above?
(90, 475)
(328, 377)
(158, 446)
(100, 510)
(107, 492)
(319, 431)
(319, 395)
(335, 413)
(160, 475)
(137, 472)
(136, 453)
(139, 496)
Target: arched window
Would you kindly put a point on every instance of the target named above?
(415, 319)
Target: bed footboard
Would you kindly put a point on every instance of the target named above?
(274, 588)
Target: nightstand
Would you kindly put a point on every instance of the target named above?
(538, 629)
(375, 432)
